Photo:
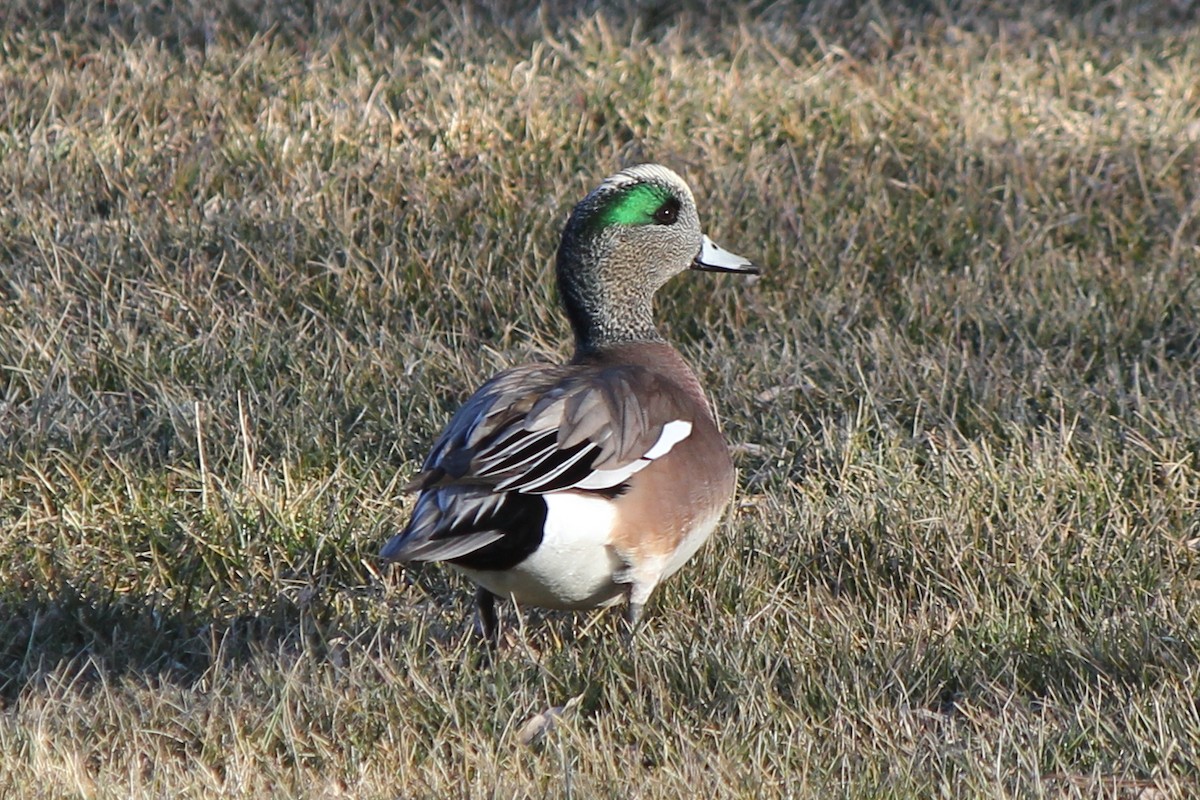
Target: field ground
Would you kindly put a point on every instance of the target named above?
(251, 261)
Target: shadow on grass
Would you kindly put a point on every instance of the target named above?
(93, 634)
(98, 633)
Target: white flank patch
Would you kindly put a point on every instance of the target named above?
(573, 567)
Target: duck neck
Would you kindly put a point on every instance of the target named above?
(603, 322)
(604, 313)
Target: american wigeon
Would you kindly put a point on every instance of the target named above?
(580, 485)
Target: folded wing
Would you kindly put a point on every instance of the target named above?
(534, 431)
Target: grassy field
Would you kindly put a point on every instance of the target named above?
(250, 262)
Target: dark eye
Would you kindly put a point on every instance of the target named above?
(667, 213)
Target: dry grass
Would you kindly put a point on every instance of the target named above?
(251, 262)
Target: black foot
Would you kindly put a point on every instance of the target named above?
(489, 625)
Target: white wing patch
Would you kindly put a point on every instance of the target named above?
(673, 433)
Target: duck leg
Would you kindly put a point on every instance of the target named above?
(633, 615)
(489, 624)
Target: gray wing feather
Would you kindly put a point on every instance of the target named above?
(500, 437)
(533, 430)
(429, 535)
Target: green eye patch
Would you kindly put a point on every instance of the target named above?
(634, 206)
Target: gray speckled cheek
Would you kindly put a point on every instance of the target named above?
(609, 271)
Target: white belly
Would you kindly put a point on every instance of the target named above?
(574, 567)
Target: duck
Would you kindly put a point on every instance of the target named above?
(586, 484)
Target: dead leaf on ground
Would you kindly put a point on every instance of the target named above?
(537, 726)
